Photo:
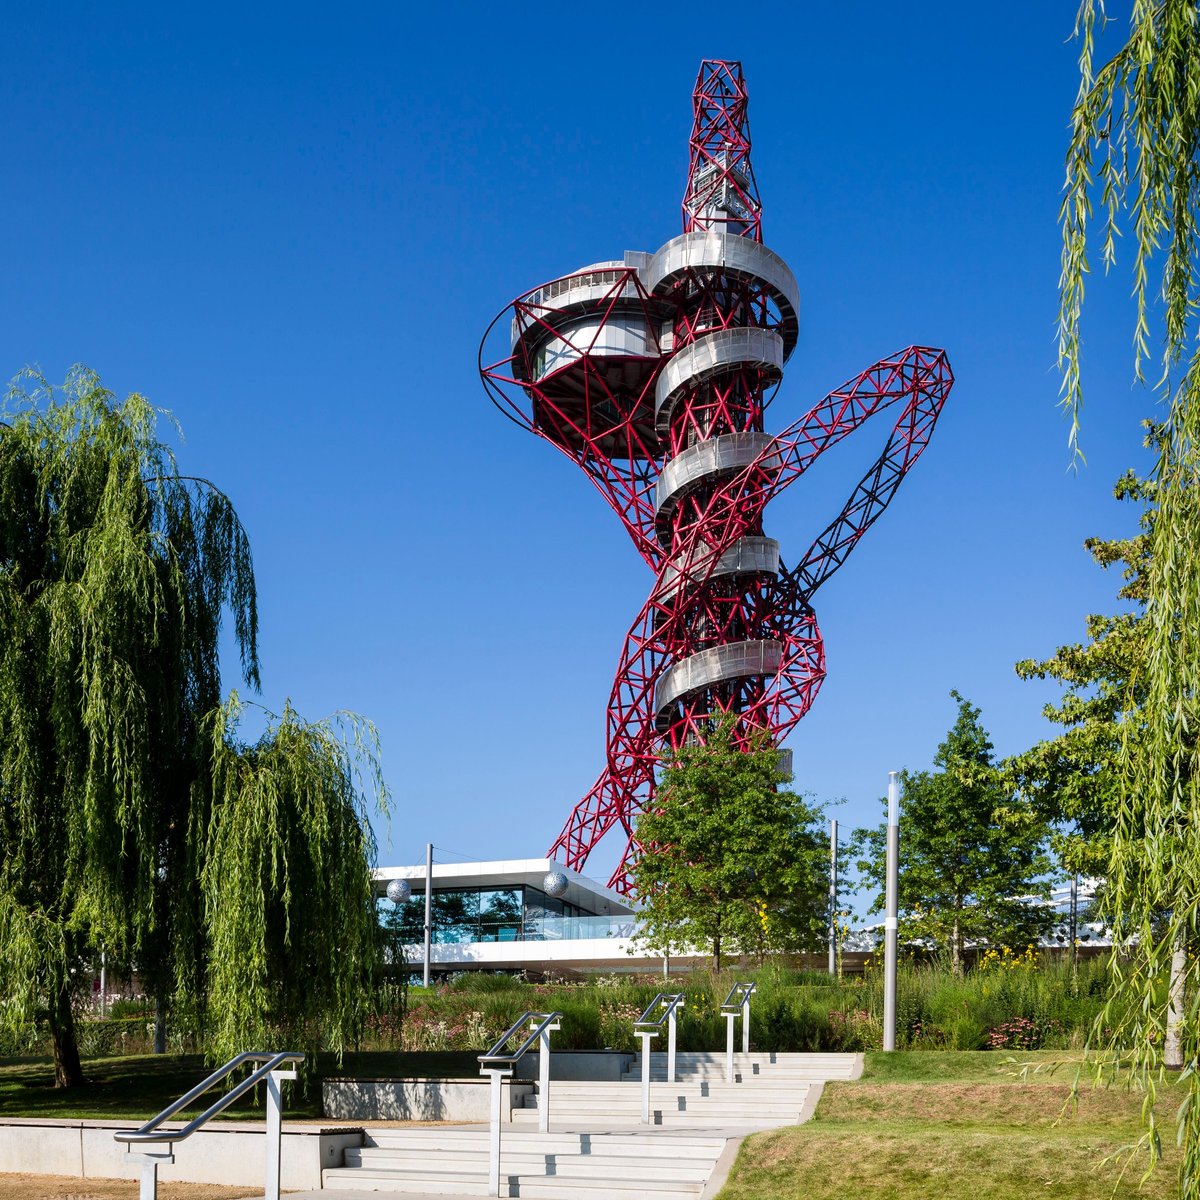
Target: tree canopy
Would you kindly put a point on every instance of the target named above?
(131, 819)
(971, 855)
(1135, 151)
(729, 861)
(1074, 778)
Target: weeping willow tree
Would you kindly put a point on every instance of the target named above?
(293, 824)
(119, 797)
(1135, 154)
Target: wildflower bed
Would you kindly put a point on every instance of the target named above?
(1009, 1002)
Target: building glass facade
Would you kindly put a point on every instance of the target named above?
(510, 914)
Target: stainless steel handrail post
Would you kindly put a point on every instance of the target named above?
(498, 1075)
(499, 1063)
(670, 1041)
(151, 1134)
(730, 1018)
(646, 1027)
(148, 1185)
(544, 1078)
(736, 1004)
(646, 1035)
(274, 1132)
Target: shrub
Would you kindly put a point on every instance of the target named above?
(1022, 1033)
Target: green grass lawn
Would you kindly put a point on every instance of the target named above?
(140, 1086)
(940, 1125)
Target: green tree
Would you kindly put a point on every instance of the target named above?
(1073, 779)
(1135, 149)
(293, 946)
(728, 860)
(971, 855)
(124, 800)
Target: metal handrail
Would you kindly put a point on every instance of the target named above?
(496, 1056)
(743, 992)
(670, 1001)
(146, 1133)
(499, 1064)
(737, 1004)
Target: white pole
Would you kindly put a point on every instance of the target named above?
(833, 896)
(148, 1188)
(151, 1161)
(746, 1024)
(494, 1134)
(891, 922)
(274, 1131)
(544, 1081)
(646, 1077)
(671, 1047)
(429, 908)
(103, 984)
(730, 1017)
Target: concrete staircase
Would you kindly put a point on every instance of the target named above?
(454, 1161)
(769, 1090)
(597, 1147)
(760, 1067)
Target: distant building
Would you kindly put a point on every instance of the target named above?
(501, 916)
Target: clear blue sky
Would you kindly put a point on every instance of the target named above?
(290, 226)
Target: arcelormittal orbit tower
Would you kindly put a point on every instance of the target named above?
(653, 372)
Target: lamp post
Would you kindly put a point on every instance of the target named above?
(399, 891)
(428, 905)
(891, 923)
(833, 896)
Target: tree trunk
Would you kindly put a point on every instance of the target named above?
(956, 965)
(160, 1026)
(1173, 1041)
(67, 1070)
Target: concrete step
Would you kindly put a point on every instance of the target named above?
(753, 1082)
(546, 1187)
(718, 1075)
(593, 1145)
(617, 1093)
(601, 1094)
(571, 1166)
(666, 1099)
(843, 1067)
(675, 1119)
(773, 1056)
(667, 1096)
(713, 1079)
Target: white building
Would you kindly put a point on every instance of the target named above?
(501, 916)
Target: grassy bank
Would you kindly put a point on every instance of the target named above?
(957, 1126)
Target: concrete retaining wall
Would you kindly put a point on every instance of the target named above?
(579, 1064)
(417, 1099)
(231, 1153)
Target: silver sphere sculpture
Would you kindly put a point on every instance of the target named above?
(398, 891)
(555, 884)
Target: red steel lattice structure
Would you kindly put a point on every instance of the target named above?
(653, 373)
